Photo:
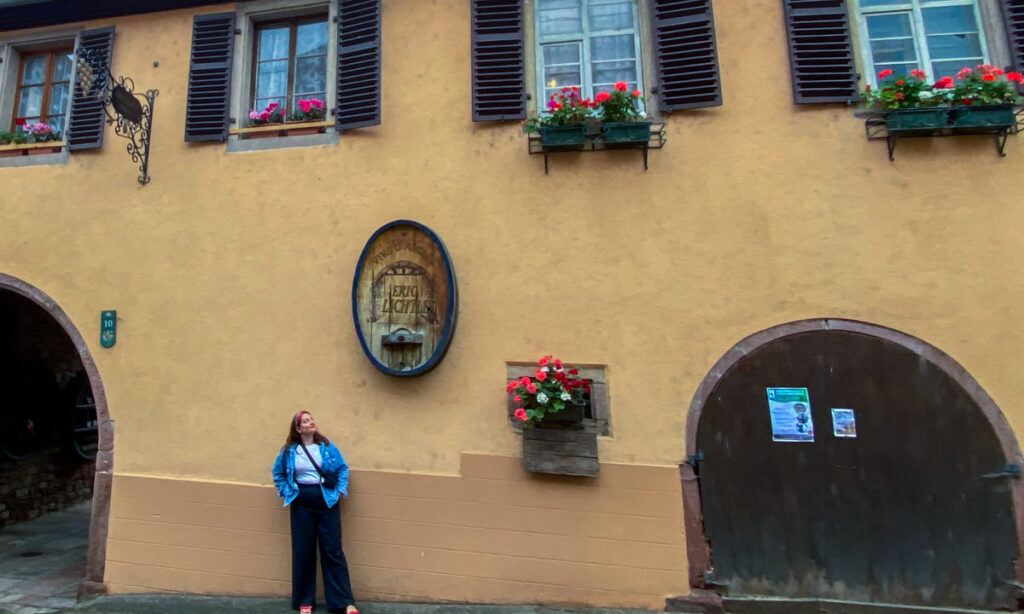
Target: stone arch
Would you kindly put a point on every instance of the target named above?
(697, 548)
(103, 476)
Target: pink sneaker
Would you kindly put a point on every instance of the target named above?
(306, 609)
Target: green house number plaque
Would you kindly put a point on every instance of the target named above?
(108, 328)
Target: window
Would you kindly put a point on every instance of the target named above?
(43, 86)
(937, 36)
(587, 43)
(290, 62)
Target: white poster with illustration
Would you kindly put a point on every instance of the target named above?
(790, 410)
(844, 423)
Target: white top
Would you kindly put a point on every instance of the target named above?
(305, 472)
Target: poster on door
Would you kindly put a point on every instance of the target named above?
(844, 423)
(790, 410)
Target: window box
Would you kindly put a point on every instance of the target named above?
(31, 149)
(563, 138)
(626, 132)
(280, 130)
(560, 451)
(986, 116)
(910, 122)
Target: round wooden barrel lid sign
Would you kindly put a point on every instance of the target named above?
(404, 299)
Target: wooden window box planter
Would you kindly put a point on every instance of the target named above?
(273, 131)
(560, 445)
(999, 121)
(31, 149)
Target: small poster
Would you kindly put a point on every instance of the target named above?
(844, 423)
(790, 410)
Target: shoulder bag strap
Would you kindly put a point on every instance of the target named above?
(310, 457)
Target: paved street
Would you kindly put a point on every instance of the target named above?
(173, 604)
(43, 561)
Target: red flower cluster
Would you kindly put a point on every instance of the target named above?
(548, 391)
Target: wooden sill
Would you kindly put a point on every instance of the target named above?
(280, 127)
(24, 147)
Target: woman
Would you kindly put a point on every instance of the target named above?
(309, 474)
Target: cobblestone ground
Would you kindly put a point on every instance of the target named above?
(42, 561)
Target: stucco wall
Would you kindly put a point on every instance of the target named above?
(231, 273)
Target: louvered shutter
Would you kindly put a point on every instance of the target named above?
(499, 75)
(820, 51)
(686, 55)
(209, 77)
(358, 100)
(85, 124)
(1013, 12)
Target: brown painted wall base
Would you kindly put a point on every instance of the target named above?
(494, 534)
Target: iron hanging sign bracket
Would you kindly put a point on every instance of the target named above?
(131, 113)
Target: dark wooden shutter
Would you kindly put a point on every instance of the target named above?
(209, 77)
(358, 100)
(686, 56)
(499, 74)
(1013, 12)
(85, 124)
(820, 51)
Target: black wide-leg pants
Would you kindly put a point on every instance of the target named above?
(314, 523)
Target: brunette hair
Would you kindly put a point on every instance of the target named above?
(293, 433)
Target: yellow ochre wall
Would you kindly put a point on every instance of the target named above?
(231, 275)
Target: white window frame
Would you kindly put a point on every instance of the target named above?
(914, 7)
(583, 38)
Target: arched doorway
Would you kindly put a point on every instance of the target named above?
(920, 508)
(14, 291)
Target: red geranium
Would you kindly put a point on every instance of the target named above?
(549, 391)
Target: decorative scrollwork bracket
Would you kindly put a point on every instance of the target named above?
(130, 113)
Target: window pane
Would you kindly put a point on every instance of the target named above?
(562, 54)
(31, 102)
(62, 67)
(35, 70)
(263, 103)
(889, 26)
(949, 20)
(612, 47)
(950, 68)
(954, 46)
(559, 17)
(561, 66)
(57, 124)
(561, 76)
(273, 43)
(311, 39)
(310, 75)
(893, 50)
(896, 68)
(58, 100)
(272, 79)
(617, 16)
(886, 3)
(605, 74)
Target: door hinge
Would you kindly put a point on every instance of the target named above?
(1009, 471)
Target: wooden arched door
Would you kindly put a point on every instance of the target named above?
(915, 509)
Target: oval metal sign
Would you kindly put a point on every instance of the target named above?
(404, 299)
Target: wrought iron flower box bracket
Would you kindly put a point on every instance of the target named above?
(129, 112)
(594, 141)
(997, 121)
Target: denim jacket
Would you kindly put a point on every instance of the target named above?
(331, 462)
